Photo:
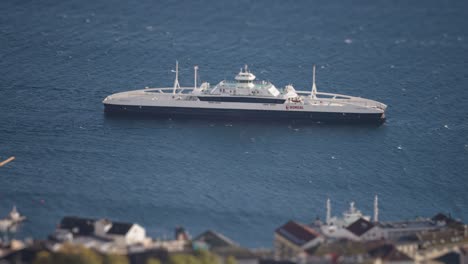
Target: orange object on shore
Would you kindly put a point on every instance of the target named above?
(6, 161)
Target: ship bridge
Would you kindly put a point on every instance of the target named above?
(245, 85)
(245, 78)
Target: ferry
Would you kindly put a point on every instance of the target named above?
(245, 98)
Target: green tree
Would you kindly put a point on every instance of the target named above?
(183, 259)
(69, 254)
(115, 259)
(73, 254)
(231, 260)
(206, 257)
(43, 257)
(153, 261)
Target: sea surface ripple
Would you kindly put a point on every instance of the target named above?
(59, 59)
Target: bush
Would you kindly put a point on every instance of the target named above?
(72, 254)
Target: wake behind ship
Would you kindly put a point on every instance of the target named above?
(245, 99)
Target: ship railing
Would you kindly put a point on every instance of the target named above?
(231, 83)
(254, 82)
(358, 101)
(169, 90)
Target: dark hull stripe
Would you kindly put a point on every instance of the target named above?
(234, 99)
(243, 114)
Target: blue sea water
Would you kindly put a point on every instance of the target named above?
(59, 59)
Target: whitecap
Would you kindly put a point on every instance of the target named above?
(446, 126)
(400, 147)
(348, 41)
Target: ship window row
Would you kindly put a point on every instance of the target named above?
(242, 81)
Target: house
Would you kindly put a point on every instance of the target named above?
(360, 230)
(363, 230)
(224, 247)
(77, 226)
(212, 239)
(292, 240)
(395, 230)
(409, 244)
(119, 232)
(388, 253)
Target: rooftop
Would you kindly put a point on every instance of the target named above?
(78, 225)
(297, 233)
(409, 224)
(214, 239)
(360, 227)
(388, 252)
(119, 228)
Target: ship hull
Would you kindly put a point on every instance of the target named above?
(242, 114)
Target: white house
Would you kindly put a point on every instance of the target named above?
(119, 232)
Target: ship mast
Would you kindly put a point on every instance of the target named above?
(328, 216)
(313, 94)
(376, 208)
(176, 81)
(195, 68)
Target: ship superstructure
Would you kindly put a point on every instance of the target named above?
(245, 98)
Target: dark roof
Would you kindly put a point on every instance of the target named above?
(451, 257)
(408, 239)
(235, 251)
(441, 217)
(272, 261)
(119, 228)
(297, 233)
(143, 257)
(360, 227)
(214, 239)
(78, 225)
(396, 255)
(451, 222)
(388, 252)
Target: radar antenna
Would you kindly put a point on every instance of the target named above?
(313, 94)
(176, 81)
